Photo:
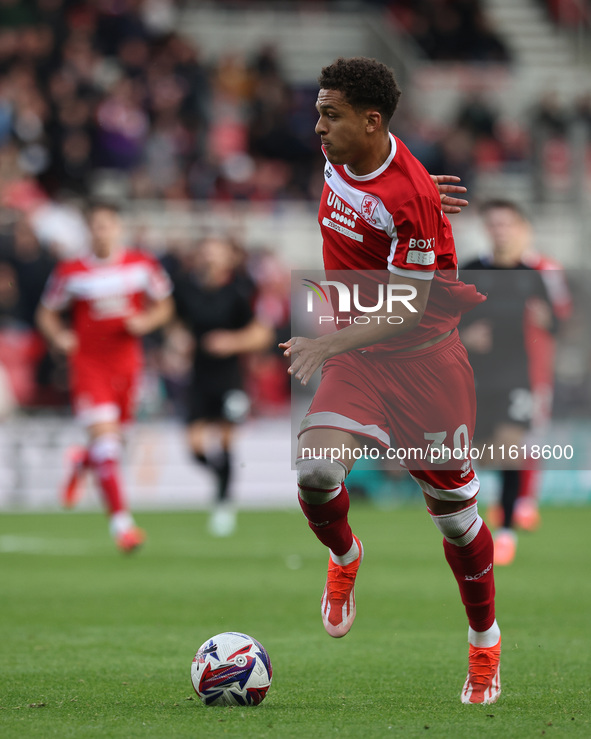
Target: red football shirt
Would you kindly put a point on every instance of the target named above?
(392, 219)
(101, 294)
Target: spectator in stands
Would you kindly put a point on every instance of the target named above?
(21, 347)
(122, 127)
(583, 111)
(32, 265)
(572, 13)
(477, 116)
(450, 31)
(12, 309)
(550, 116)
(73, 166)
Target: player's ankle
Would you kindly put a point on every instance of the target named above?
(488, 638)
(350, 556)
(120, 522)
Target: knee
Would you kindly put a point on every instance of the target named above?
(459, 527)
(319, 480)
(105, 447)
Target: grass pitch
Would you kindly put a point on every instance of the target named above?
(95, 644)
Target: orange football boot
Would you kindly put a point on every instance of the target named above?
(338, 599)
(131, 540)
(505, 547)
(483, 684)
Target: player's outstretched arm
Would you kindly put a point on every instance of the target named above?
(307, 355)
(449, 204)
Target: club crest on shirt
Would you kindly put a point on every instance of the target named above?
(368, 206)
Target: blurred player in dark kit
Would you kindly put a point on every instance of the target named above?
(406, 384)
(507, 341)
(214, 301)
(114, 296)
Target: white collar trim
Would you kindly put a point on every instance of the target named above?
(385, 165)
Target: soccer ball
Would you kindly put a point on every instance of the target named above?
(231, 669)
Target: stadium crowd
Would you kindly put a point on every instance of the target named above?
(101, 92)
(91, 90)
(450, 31)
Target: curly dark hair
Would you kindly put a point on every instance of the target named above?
(365, 83)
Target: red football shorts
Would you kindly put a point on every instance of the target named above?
(101, 395)
(419, 407)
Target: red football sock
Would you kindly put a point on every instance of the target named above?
(528, 483)
(83, 460)
(472, 566)
(329, 522)
(103, 458)
(108, 476)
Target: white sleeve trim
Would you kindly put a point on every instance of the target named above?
(415, 273)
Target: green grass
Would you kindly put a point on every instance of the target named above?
(94, 644)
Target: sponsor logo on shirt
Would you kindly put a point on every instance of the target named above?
(425, 258)
(466, 468)
(110, 306)
(421, 243)
(342, 218)
(342, 230)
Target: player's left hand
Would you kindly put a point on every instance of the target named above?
(307, 356)
(449, 205)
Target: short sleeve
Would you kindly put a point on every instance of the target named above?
(159, 282)
(181, 288)
(243, 311)
(415, 242)
(56, 295)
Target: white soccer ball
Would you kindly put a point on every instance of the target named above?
(231, 669)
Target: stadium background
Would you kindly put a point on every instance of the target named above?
(199, 118)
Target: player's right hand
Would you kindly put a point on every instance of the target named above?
(306, 355)
(65, 342)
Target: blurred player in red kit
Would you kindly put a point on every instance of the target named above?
(406, 384)
(114, 296)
